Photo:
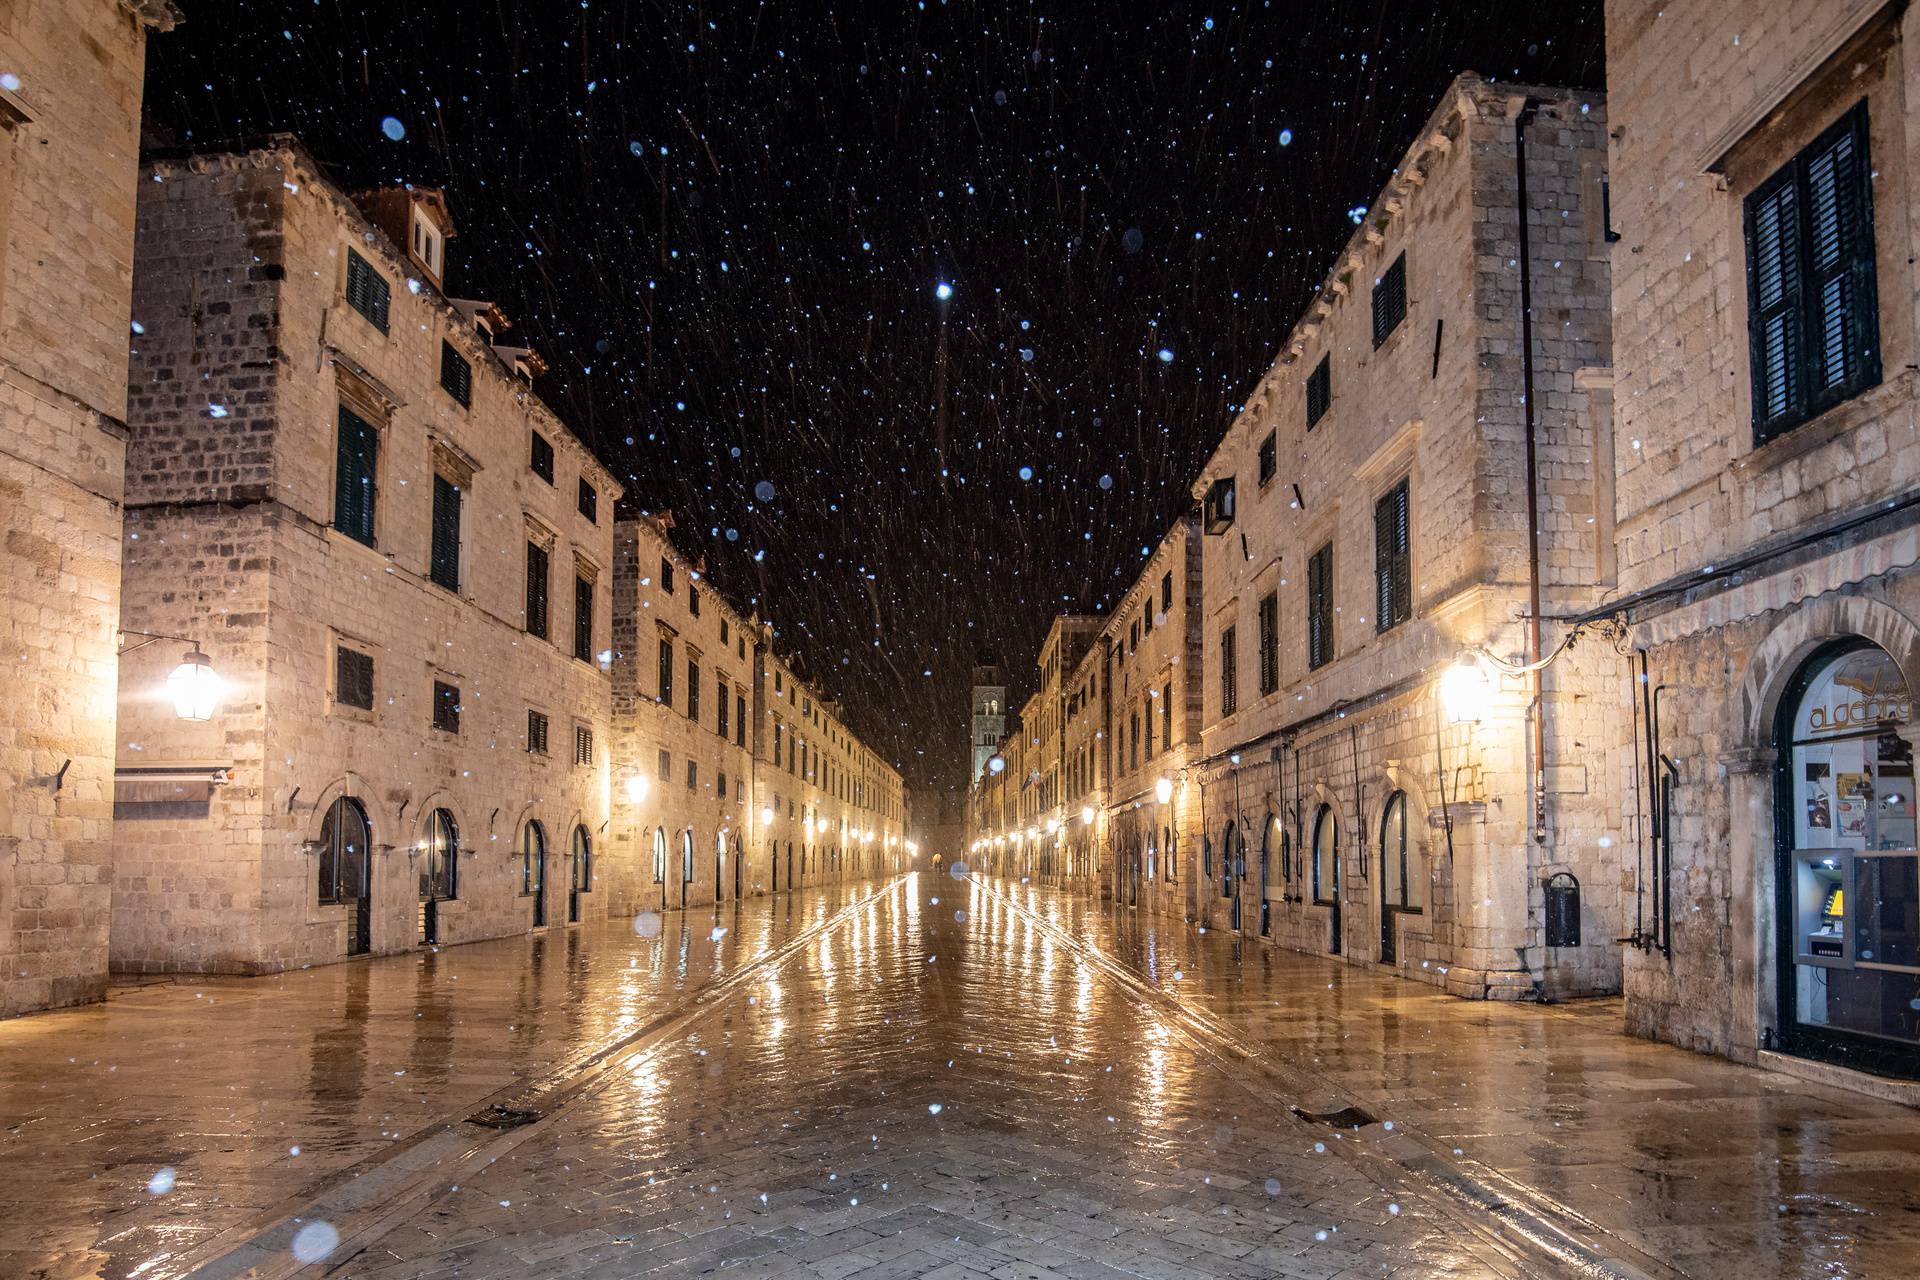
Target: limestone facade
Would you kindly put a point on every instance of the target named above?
(1767, 515)
(1366, 530)
(69, 147)
(735, 775)
(342, 488)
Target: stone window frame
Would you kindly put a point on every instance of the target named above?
(337, 640)
(367, 398)
(455, 465)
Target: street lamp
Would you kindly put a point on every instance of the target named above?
(1465, 691)
(636, 788)
(1086, 815)
(766, 815)
(1163, 790)
(194, 687)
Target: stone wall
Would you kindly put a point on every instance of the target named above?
(249, 354)
(68, 144)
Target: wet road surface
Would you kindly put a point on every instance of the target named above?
(918, 1077)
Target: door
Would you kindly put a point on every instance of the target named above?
(346, 870)
(1403, 875)
(582, 881)
(1326, 871)
(719, 866)
(1266, 847)
(533, 870)
(737, 872)
(686, 864)
(436, 874)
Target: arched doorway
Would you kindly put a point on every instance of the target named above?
(1232, 866)
(1848, 875)
(660, 863)
(582, 881)
(346, 869)
(1326, 868)
(739, 869)
(438, 872)
(686, 864)
(1268, 827)
(1403, 874)
(719, 865)
(533, 869)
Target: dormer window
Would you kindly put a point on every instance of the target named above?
(429, 246)
(1217, 509)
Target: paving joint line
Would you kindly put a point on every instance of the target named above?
(1543, 1228)
(417, 1170)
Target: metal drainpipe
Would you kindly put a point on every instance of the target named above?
(1520, 123)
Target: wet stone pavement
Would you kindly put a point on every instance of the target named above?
(918, 1077)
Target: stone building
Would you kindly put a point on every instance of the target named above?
(69, 149)
(1151, 711)
(1421, 472)
(734, 775)
(988, 724)
(342, 488)
(1088, 770)
(1768, 525)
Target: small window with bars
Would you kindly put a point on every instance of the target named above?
(1390, 300)
(1392, 559)
(1319, 391)
(446, 707)
(1813, 315)
(353, 678)
(368, 291)
(537, 732)
(1320, 607)
(582, 744)
(540, 456)
(456, 375)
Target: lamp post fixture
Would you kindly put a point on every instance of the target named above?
(193, 687)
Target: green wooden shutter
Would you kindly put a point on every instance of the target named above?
(355, 466)
(1320, 607)
(536, 590)
(456, 375)
(583, 619)
(445, 564)
(1840, 258)
(1773, 241)
(1402, 598)
(368, 291)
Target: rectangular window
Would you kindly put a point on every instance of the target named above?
(1319, 391)
(693, 691)
(367, 290)
(1269, 459)
(1320, 607)
(720, 707)
(1166, 716)
(723, 633)
(693, 602)
(1149, 710)
(666, 673)
(1217, 507)
(693, 776)
(1166, 591)
(1229, 674)
(446, 707)
(582, 744)
(720, 786)
(536, 590)
(537, 732)
(540, 457)
(1813, 314)
(1390, 300)
(1133, 744)
(353, 678)
(1392, 559)
(589, 502)
(583, 619)
(740, 719)
(777, 730)
(666, 575)
(1269, 643)
(444, 566)
(356, 463)
(666, 765)
(456, 375)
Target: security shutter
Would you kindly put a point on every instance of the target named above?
(355, 466)
(1390, 300)
(445, 567)
(536, 590)
(368, 291)
(1320, 607)
(1392, 562)
(456, 375)
(353, 678)
(1813, 324)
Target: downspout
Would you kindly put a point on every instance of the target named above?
(1520, 124)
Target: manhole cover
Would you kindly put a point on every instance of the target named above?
(1344, 1118)
(497, 1117)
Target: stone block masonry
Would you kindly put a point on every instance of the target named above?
(68, 142)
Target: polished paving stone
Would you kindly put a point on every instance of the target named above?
(921, 1077)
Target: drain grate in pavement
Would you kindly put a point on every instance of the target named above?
(1344, 1118)
(499, 1117)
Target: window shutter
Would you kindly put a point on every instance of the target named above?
(583, 619)
(1836, 199)
(1773, 236)
(368, 291)
(536, 590)
(1319, 391)
(445, 566)
(353, 678)
(537, 732)
(355, 463)
(540, 457)
(1402, 596)
(1320, 607)
(446, 707)
(740, 720)
(665, 673)
(1390, 300)
(456, 375)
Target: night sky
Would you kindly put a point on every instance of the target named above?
(726, 226)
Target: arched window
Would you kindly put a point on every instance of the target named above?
(1171, 853)
(1403, 872)
(345, 839)
(533, 857)
(686, 856)
(1326, 855)
(1153, 854)
(439, 873)
(1229, 852)
(582, 861)
(659, 855)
